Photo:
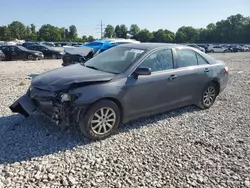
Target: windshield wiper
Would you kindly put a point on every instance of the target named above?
(92, 67)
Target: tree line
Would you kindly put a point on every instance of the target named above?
(234, 29)
(47, 32)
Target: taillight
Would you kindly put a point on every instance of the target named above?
(226, 69)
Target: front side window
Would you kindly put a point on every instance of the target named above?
(159, 61)
(186, 58)
(115, 60)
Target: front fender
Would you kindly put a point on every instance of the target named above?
(92, 93)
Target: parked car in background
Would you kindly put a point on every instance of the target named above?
(77, 55)
(48, 52)
(197, 47)
(236, 48)
(2, 56)
(27, 44)
(13, 52)
(51, 44)
(90, 49)
(124, 83)
(217, 48)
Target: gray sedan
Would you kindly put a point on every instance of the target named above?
(125, 83)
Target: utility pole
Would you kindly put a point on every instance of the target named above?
(102, 29)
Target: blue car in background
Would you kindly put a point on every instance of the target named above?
(86, 51)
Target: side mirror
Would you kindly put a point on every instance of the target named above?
(142, 71)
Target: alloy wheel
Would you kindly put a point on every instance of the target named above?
(209, 96)
(103, 120)
(30, 57)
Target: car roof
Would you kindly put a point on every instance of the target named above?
(151, 46)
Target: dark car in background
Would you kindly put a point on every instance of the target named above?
(48, 52)
(124, 83)
(27, 44)
(2, 56)
(13, 52)
(85, 52)
(77, 55)
(236, 48)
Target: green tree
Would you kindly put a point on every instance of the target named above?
(134, 30)
(90, 38)
(49, 33)
(72, 32)
(109, 31)
(121, 31)
(163, 36)
(144, 36)
(5, 33)
(186, 34)
(124, 31)
(17, 30)
(33, 35)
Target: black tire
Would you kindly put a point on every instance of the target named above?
(88, 128)
(205, 104)
(54, 56)
(30, 57)
(212, 51)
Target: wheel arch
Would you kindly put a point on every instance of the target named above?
(116, 101)
(217, 84)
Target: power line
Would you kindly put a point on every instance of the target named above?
(102, 28)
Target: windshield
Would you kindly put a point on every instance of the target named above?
(115, 60)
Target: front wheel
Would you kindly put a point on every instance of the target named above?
(30, 57)
(208, 96)
(101, 120)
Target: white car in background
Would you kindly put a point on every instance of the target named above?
(197, 47)
(217, 49)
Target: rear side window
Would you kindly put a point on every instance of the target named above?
(201, 60)
(186, 58)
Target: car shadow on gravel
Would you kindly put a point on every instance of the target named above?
(22, 139)
(135, 124)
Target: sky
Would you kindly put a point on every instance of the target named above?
(86, 15)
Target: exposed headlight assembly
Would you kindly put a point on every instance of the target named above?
(65, 97)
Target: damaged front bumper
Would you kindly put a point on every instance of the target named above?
(61, 113)
(24, 105)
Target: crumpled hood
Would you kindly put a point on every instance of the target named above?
(62, 78)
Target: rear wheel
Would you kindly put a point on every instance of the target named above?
(208, 96)
(212, 51)
(101, 120)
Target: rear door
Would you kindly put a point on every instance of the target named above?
(192, 74)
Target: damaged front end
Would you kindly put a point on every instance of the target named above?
(58, 106)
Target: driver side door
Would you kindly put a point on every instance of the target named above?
(147, 94)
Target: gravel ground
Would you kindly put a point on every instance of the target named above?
(181, 148)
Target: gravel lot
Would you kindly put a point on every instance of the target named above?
(181, 148)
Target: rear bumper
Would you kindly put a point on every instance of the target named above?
(223, 82)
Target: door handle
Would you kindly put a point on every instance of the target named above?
(206, 70)
(172, 77)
